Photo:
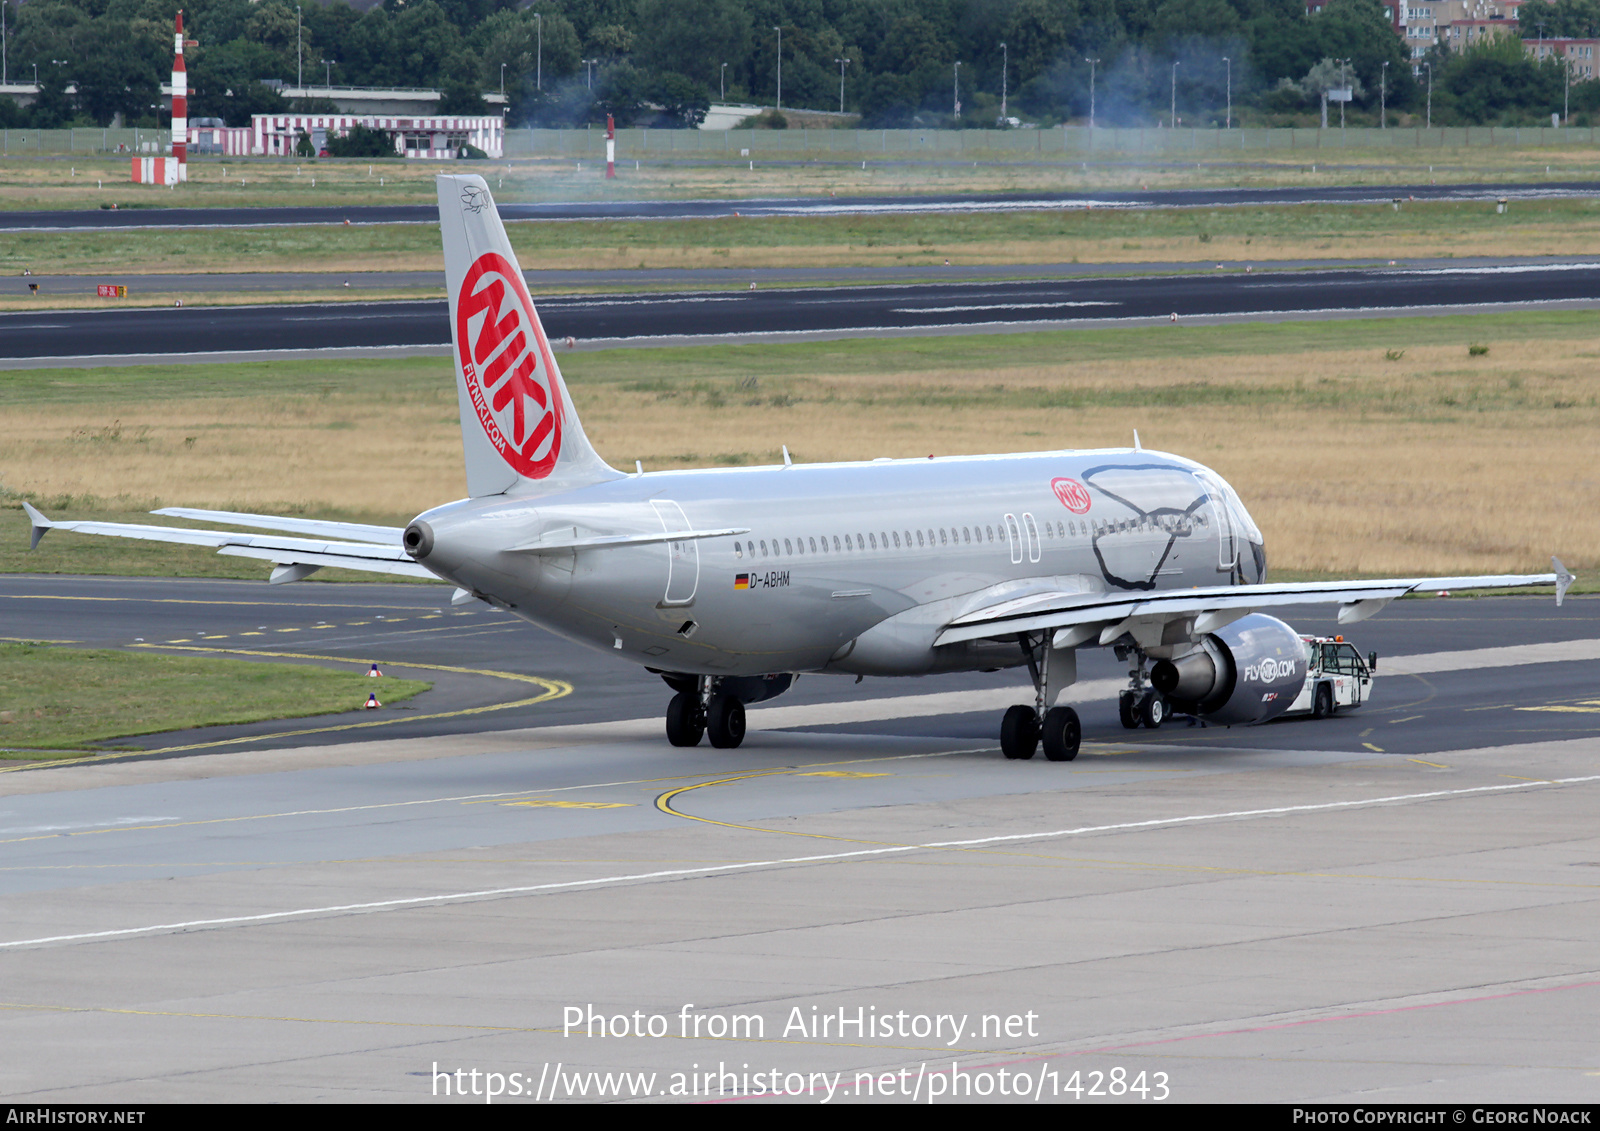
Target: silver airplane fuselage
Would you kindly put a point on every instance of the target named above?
(851, 567)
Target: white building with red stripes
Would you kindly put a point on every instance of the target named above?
(438, 138)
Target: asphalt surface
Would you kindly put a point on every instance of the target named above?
(1390, 906)
(714, 278)
(853, 310)
(701, 209)
(412, 630)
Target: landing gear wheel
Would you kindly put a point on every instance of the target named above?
(1153, 711)
(1019, 733)
(725, 722)
(1322, 703)
(1127, 710)
(685, 724)
(1061, 733)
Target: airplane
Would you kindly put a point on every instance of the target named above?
(730, 582)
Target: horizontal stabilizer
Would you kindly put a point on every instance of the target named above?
(294, 558)
(356, 531)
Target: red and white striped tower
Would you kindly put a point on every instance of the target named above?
(180, 106)
(611, 147)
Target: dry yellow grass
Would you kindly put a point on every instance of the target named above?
(1350, 462)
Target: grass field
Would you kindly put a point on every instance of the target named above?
(1366, 447)
(86, 181)
(1421, 229)
(64, 699)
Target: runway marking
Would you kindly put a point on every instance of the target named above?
(199, 601)
(1375, 749)
(468, 799)
(1583, 706)
(841, 774)
(554, 689)
(1407, 719)
(1437, 766)
(551, 803)
(785, 862)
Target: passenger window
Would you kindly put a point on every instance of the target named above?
(873, 540)
(836, 541)
(897, 540)
(787, 548)
(763, 547)
(738, 550)
(919, 538)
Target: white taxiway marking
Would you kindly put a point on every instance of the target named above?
(825, 858)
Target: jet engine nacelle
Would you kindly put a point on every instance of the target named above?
(1248, 672)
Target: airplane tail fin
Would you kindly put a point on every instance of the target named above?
(519, 429)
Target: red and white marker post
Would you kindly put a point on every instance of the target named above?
(175, 169)
(611, 148)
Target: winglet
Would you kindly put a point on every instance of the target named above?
(1564, 579)
(41, 524)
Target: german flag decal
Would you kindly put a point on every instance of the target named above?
(741, 581)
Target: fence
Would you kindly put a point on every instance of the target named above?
(21, 143)
(1073, 142)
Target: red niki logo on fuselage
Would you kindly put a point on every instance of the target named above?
(509, 372)
(1073, 495)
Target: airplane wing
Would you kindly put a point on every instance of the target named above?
(1081, 618)
(347, 545)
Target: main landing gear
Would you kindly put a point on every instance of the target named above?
(1024, 729)
(693, 714)
(1140, 705)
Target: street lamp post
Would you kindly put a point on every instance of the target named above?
(1091, 63)
(502, 80)
(722, 84)
(1005, 68)
(1342, 89)
(843, 63)
(538, 59)
(1173, 119)
(1227, 123)
(779, 30)
(588, 71)
(1383, 96)
(956, 109)
(298, 81)
(327, 74)
(1430, 94)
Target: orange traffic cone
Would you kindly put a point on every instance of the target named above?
(372, 703)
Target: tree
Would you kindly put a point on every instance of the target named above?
(360, 141)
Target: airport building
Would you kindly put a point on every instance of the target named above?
(426, 137)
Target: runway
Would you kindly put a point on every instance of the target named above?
(843, 311)
(1388, 906)
(790, 206)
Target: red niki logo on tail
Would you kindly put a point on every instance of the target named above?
(509, 372)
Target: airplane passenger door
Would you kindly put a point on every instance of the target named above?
(1035, 547)
(683, 558)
